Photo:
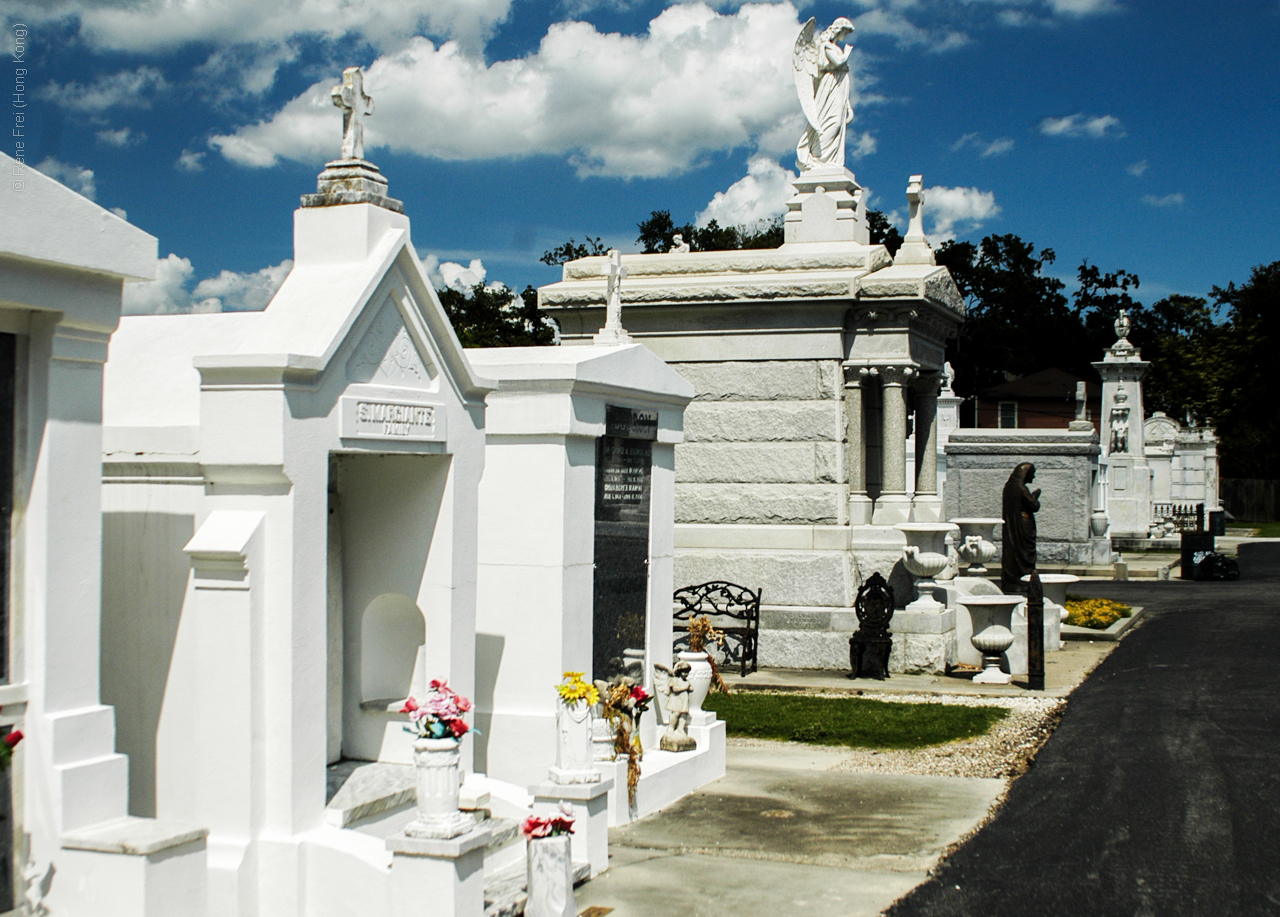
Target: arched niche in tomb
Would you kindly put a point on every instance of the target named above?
(392, 634)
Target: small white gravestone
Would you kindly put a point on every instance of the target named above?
(613, 333)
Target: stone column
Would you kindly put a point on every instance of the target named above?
(894, 505)
(860, 505)
(926, 505)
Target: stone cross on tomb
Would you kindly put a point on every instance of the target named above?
(355, 105)
(613, 332)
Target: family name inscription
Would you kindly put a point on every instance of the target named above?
(624, 457)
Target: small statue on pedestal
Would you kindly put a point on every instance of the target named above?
(676, 689)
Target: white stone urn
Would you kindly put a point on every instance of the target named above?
(992, 617)
(436, 762)
(550, 878)
(699, 678)
(1055, 590)
(977, 542)
(1098, 523)
(574, 744)
(925, 557)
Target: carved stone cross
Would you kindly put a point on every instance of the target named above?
(613, 332)
(613, 309)
(355, 105)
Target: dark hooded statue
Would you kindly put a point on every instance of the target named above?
(1018, 539)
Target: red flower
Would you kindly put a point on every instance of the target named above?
(639, 694)
(457, 727)
(13, 738)
(410, 705)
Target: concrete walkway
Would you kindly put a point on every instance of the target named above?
(783, 834)
(780, 834)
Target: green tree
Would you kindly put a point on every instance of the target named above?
(572, 251)
(1018, 320)
(495, 316)
(1244, 384)
(883, 232)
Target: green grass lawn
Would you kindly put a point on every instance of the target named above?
(1259, 529)
(854, 721)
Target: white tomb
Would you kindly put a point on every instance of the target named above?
(63, 262)
(290, 507)
(1127, 475)
(573, 432)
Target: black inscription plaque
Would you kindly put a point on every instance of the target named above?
(623, 474)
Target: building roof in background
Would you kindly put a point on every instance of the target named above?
(1052, 383)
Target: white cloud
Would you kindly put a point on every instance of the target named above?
(149, 26)
(1176, 199)
(1083, 7)
(228, 292)
(1078, 125)
(125, 89)
(125, 136)
(993, 148)
(77, 178)
(957, 209)
(231, 291)
(235, 70)
(649, 105)
(760, 195)
(1137, 168)
(451, 275)
(859, 145)
(890, 22)
(120, 212)
(167, 293)
(190, 161)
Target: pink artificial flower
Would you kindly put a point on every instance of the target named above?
(410, 705)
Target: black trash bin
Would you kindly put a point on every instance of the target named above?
(1218, 522)
(1195, 545)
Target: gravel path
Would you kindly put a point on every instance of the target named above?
(1005, 751)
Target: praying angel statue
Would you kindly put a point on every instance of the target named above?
(821, 67)
(355, 105)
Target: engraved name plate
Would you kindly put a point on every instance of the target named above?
(378, 418)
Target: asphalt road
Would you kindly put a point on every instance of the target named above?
(1159, 794)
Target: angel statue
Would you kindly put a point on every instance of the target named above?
(675, 688)
(821, 67)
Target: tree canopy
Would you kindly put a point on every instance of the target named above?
(494, 316)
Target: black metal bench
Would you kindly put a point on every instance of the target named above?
(734, 611)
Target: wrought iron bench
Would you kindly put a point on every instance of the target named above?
(734, 611)
(1186, 517)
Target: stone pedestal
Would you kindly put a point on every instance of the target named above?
(351, 181)
(436, 876)
(829, 206)
(590, 805)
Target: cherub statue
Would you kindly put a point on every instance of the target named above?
(676, 689)
(678, 245)
(821, 67)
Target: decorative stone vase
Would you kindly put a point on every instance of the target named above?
(574, 740)
(992, 617)
(699, 678)
(549, 872)
(1098, 522)
(602, 739)
(977, 543)
(436, 763)
(925, 557)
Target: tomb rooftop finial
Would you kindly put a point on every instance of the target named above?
(613, 332)
(352, 179)
(915, 248)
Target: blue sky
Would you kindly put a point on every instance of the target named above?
(1139, 135)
